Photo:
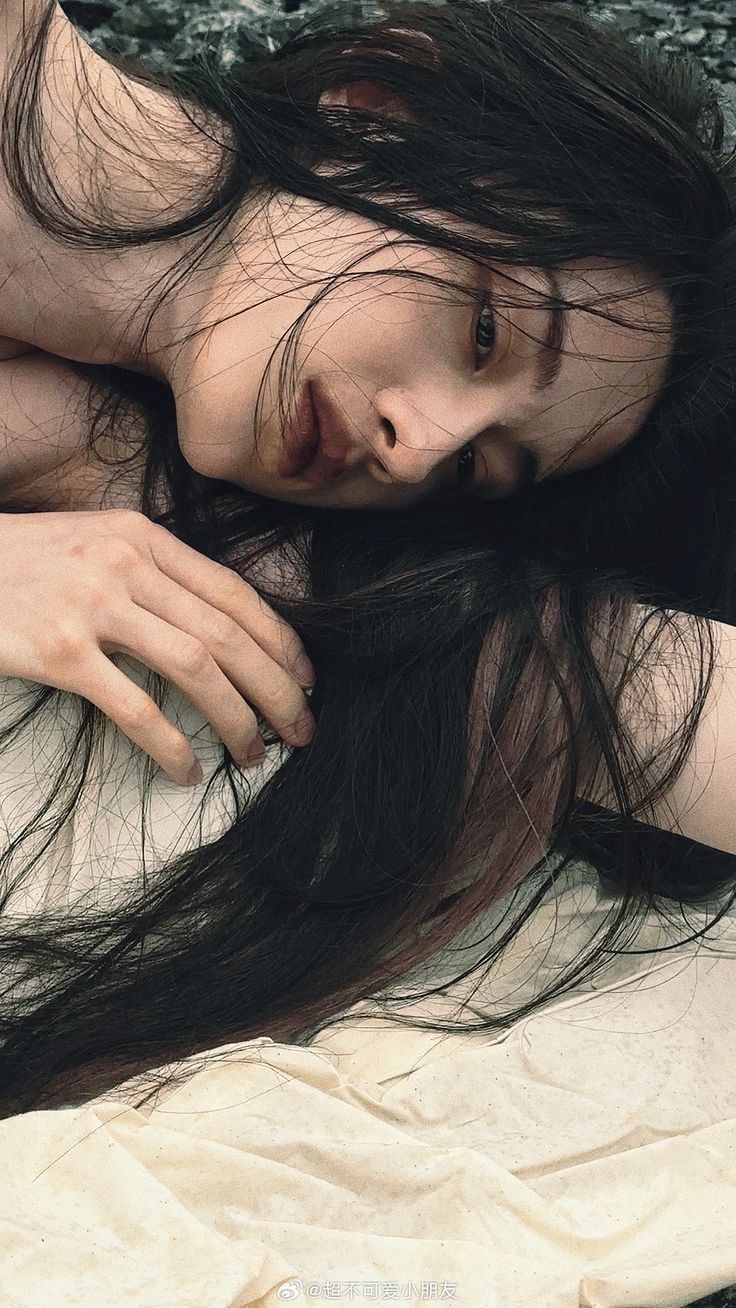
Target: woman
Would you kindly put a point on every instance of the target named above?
(475, 663)
(358, 465)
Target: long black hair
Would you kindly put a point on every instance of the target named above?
(471, 664)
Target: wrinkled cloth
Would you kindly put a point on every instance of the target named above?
(585, 1155)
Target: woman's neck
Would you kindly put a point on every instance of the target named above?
(119, 152)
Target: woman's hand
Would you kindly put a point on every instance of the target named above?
(75, 587)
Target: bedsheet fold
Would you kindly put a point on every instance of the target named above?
(585, 1155)
(586, 1158)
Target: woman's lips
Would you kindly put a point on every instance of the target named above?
(303, 455)
(301, 436)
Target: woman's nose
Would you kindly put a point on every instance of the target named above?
(404, 454)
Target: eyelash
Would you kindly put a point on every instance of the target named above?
(486, 305)
(468, 449)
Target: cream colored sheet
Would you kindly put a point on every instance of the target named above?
(586, 1156)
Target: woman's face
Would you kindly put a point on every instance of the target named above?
(406, 376)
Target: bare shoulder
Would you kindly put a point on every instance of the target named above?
(89, 101)
(44, 434)
(37, 389)
(699, 804)
(19, 18)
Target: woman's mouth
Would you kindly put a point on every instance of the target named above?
(303, 455)
(301, 437)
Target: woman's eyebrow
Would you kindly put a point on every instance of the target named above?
(549, 359)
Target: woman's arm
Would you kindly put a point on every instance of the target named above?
(701, 804)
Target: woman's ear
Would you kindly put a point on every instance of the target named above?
(365, 95)
(376, 95)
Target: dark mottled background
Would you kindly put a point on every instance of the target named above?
(165, 34)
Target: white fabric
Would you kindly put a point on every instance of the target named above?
(585, 1156)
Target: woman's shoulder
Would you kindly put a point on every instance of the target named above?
(40, 413)
(44, 435)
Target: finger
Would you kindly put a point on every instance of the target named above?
(245, 664)
(225, 590)
(136, 715)
(187, 662)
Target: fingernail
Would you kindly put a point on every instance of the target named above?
(303, 731)
(256, 752)
(305, 672)
(196, 775)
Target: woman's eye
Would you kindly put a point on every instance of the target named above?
(465, 464)
(485, 324)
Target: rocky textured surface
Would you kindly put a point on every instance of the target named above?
(165, 34)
